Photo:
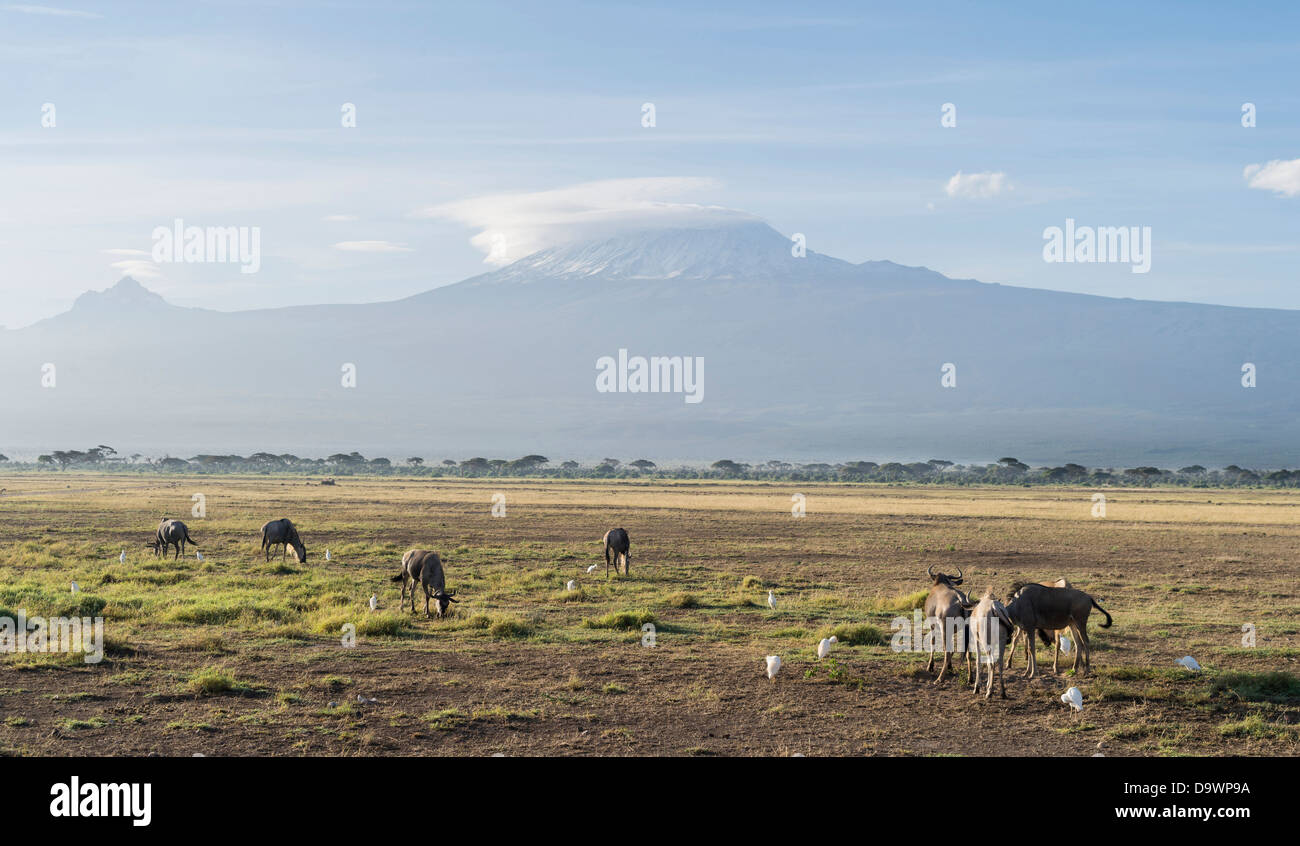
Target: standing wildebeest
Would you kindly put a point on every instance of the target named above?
(616, 541)
(945, 609)
(1037, 608)
(172, 533)
(988, 631)
(424, 568)
(284, 533)
(1056, 651)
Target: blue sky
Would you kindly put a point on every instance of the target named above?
(480, 118)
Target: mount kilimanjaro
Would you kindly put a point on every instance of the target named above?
(808, 358)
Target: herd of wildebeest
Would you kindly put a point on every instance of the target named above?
(983, 630)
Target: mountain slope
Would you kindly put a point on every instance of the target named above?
(805, 358)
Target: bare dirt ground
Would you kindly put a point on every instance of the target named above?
(237, 656)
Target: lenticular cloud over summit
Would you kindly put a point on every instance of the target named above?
(515, 225)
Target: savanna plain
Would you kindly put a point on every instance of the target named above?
(234, 655)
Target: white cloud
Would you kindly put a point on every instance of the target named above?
(50, 10)
(371, 247)
(1280, 177)
(137, 263)
(977, 185)
(512, 226)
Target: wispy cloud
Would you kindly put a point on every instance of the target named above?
(1279, 176)
(371, 247)
(49, 10)
(977, 185)
(515, 225)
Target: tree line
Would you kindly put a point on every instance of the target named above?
(1005, 471)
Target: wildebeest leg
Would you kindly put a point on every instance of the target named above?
(976, 687)
(947, 656)
(1085, 648)
(1056, 649)
(426, 602)
(1030, 664)
(1011, 647)
(929, 667)
(607, 562)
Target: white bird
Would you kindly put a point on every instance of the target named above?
(374, 601)
(327, 553)
(1189, 662)
(1065, 645)
(571, 585)
(75, 588)
(1073, 698)
(199, 554)
(361, 700)
(771, 600)
(773, 665)
(824, 648)
(122, 557)
(592, 568)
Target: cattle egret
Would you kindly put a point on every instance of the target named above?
(592, 568)
(570, 585)
(1189, 662)
(122, 557)
(198, 554)
(361, 700)
(374, 602)
(1073, 698)
(824, 648)
(771, 600)
(327, 554)
(773, 665)
(1065, 645)
(75, 588)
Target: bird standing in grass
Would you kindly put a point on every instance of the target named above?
(327, 554)
(374, 601)
(592, 568)
(773, 666)
(824, 648)
(571, 585)
(122, 558)
(198, 554)
(1188, 662)
(75, 588)
(1074, 698)
(771, 600)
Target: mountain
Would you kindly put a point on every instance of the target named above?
(804, 358)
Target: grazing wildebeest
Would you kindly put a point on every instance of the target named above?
(172, 533)
(1037, 608)
(616, 542)
(1056, 651)
(424, 568)
(945, 609)
(284, 533)
(988, 630)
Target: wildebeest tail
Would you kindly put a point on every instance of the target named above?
(189, 539)
(1105, 625)
(1043, 636)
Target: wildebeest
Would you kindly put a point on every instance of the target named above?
(945, 609)
(172, 533)
(988, 630)
(616, 542)
(284, 533)
(424, 568)
(1037, 608)
(1056, 635)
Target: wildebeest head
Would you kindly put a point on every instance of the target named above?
(444, 598)
(299, 551)
(944, 578)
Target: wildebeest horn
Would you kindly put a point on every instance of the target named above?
(960, 576)
(929, 571)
